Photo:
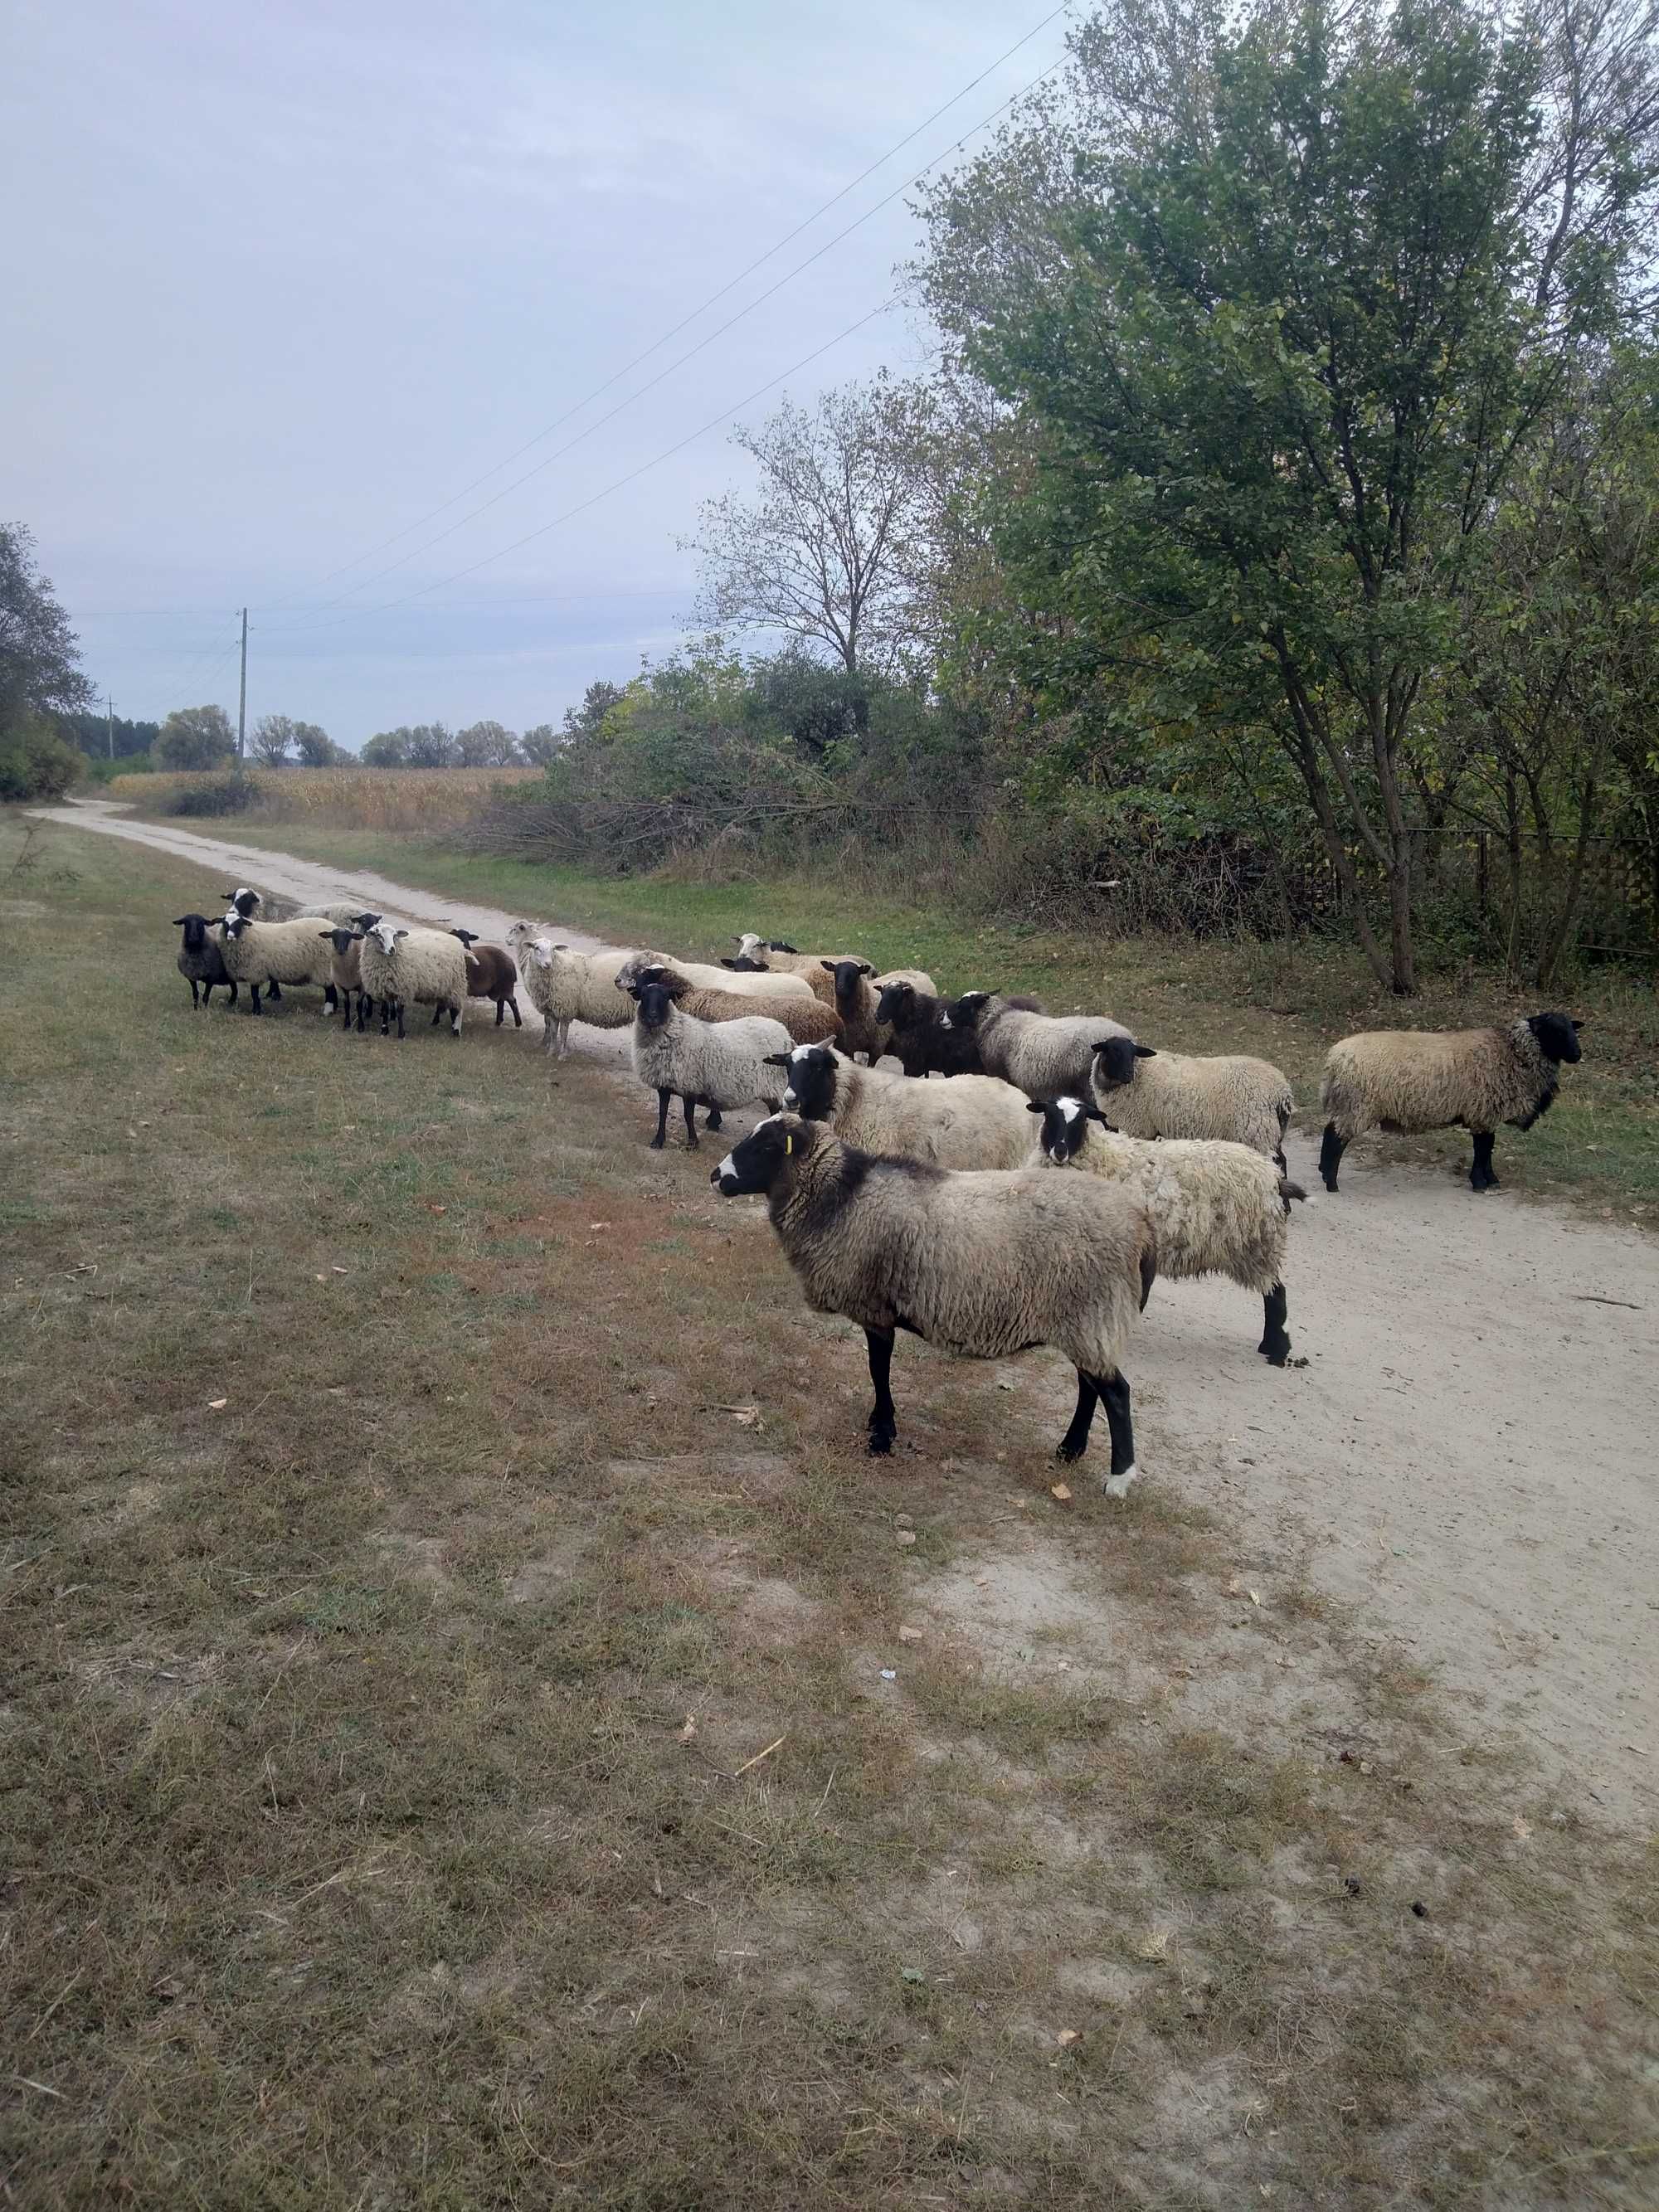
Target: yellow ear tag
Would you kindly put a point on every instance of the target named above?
(788, 1143)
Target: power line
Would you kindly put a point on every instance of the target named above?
(599, 390)
(657, 459)
(569, 444)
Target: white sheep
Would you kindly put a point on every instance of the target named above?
(717, 1064)
(566, 987)
(413, 967)
(1226, 1095)
(267, 954)
(707, 977)
(972, 1121)
(1220, 1208)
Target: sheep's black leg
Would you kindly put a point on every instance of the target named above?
(661, 1137)
(254, 988)
(711, 1120)
(518, 1019)
(1276, 1345)
(501, 1011)
(690, 1106)
(233, 993)
(195, 995)
(1075, 1442)
(884, 1423)
(1480, 1175)
(400, 1021)
(1115, 1396)
(1331, 1150)
(331, 1000)
(437, 1013)
(274, 991)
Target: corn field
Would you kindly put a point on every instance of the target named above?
(403, 799)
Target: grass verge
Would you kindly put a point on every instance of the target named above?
(1599, 1145)
(461, 1744)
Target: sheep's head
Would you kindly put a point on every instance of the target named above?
(234, 923)
(747, 966)
(655, 999)
(363, 923)
(243, 901)
(781, 1141)
(1115, 1062)
(468, 936)
(341, 938)
(811, 1090)
(849, 975)
(196, 927)
(748, 945)
(1065, 1125)
(1557, 1036)
(964, 1013)
(386, 935)
(895, 1002)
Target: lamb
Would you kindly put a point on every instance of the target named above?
(984, 1264)
(491, 973)
(974, 1123)
(706, 978)
(346, 946)
(919, 1040)
(1227, 1096)
(260, 953)
(1045, 1055)
(805, 1019)
(566, 987)
(1220, 1208)
(717, 1064)
(1412, 1080)
(418, 966)
(200, 961)
(858, 993)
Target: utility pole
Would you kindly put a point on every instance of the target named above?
(241, 703)
(109, 706)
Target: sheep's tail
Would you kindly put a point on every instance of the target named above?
(1289, 1190)
(1148, 1267)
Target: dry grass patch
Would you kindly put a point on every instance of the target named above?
(477, 1765)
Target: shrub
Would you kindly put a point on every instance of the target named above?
(35, 760)
(210, 794)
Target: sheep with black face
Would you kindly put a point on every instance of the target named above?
(1042, 1055)
(1146, 1092)
(986, 1265)
(917, 1038)
(1220, 1208)
(491, 973)
(1407, 1081)
(200, 961)
(974, 1121)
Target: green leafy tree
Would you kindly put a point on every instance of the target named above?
(92, 734)
(315, 746)
(41, 668)
(271, 741)
(195, 738)
(1308, 291)
(386, 749)
(540, 744)
(486, 745)
(431, 744)
(35, 761)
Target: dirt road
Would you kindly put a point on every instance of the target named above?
(1468, 1456)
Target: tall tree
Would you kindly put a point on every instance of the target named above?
(41, 668)
(271, 740)
(314, 745)
(1310, 290)
(825, 552)
(195, 736)
(486, 745)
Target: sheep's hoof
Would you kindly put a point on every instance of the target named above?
(656, 1144)
(1068, 1452)
(881, 1444)
(1117, 1486)
(1330, 1184)
(1275, 1354)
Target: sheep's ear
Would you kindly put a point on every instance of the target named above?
(182, 919)
(865, 968)
(1094, 1113)
(725, 963)
(830, 965)
(327, 935)
(633, 990)
(1145, 1052)
(1577, 1026)
(397, 935)
(1037, 1105)
(775, 1060)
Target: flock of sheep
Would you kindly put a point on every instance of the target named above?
(935, 1206)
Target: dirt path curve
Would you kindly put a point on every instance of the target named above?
(1469, 1456)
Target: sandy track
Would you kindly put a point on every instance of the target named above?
(1468, 1456)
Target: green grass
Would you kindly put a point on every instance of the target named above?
(1599, 1145)
(455, 1770)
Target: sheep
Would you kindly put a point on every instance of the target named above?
(566, 987)
(919, 1040)
(973, 1123)
(805, 1019)
(1042, 1055)
(491, 973)
(708, 978)
(346, 946)
(1226, 1095)
(419, 967)
(200, 961)
(1220, 1208)
(985, 1264)
(1412, 1080)
(717, 1064)
(776, 958)
(858, 992)
(260, 953)
(248, 903)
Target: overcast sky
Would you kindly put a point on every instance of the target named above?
(284, 279)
